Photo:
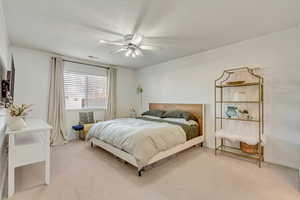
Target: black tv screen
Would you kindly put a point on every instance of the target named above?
(11, 78)
(1, 76)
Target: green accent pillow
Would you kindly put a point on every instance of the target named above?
(156, 113)
(179, 114)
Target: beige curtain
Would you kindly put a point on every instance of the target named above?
(110, 112)
(56, 107)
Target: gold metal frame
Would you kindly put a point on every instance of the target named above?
(219, 84)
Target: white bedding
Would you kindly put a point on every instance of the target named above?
(151, 117)
(140, 138)
(248, 137)
(178, 120)
(182, 121)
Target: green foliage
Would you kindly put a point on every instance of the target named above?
(139, 90)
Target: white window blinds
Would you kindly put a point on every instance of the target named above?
(84, 89)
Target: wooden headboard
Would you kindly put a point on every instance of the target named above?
(195, 109)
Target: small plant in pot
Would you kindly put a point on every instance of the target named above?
(244, 114)
(18, 113)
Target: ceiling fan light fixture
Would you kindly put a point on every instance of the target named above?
(138, 52)
(132, 45)
(128, 52)
(133, 54)
(136, 39)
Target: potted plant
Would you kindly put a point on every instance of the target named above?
(18, 113)
(244, 114)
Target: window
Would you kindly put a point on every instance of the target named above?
(84, 90)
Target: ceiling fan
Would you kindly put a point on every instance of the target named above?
(132, 45)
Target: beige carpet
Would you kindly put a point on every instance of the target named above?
(79, 172)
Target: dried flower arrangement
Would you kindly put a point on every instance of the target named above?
(19, 110)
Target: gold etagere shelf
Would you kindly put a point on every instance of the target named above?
(220, 86)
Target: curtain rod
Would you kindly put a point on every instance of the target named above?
(71, 61)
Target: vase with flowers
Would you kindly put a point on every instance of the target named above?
(18, 113)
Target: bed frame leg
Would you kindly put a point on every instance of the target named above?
(198, 145)
(140, 172)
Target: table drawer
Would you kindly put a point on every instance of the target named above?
(27, 154)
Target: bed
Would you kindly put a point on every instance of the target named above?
(144, 141)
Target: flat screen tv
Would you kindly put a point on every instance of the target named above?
(11, 78)
(7, 80)
(2, 71)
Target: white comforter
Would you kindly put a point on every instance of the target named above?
(140, 138)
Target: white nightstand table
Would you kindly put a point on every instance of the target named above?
(27, 146)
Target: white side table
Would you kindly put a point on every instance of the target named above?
(27, 146)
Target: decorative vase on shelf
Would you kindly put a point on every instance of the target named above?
(17, 123)
(231, 111)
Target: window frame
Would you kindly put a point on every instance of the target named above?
(70, 70)
(86, 109)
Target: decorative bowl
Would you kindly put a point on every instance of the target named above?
(235, 82)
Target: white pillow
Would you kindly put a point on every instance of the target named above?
(181, 120)
(151, 117)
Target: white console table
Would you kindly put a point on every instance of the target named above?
(27, 146)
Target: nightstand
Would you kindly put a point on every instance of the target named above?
(27, 146)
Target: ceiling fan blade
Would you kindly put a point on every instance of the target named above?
(143, 11)
(136, 39)
(148, 47)
(118, 50)
(111, 43)
(128, 52)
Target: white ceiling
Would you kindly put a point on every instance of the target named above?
(179, 27)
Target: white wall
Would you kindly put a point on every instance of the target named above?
(4, 42)
(191, 80)
(32, 80)
(4, 61)
(32, 86)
